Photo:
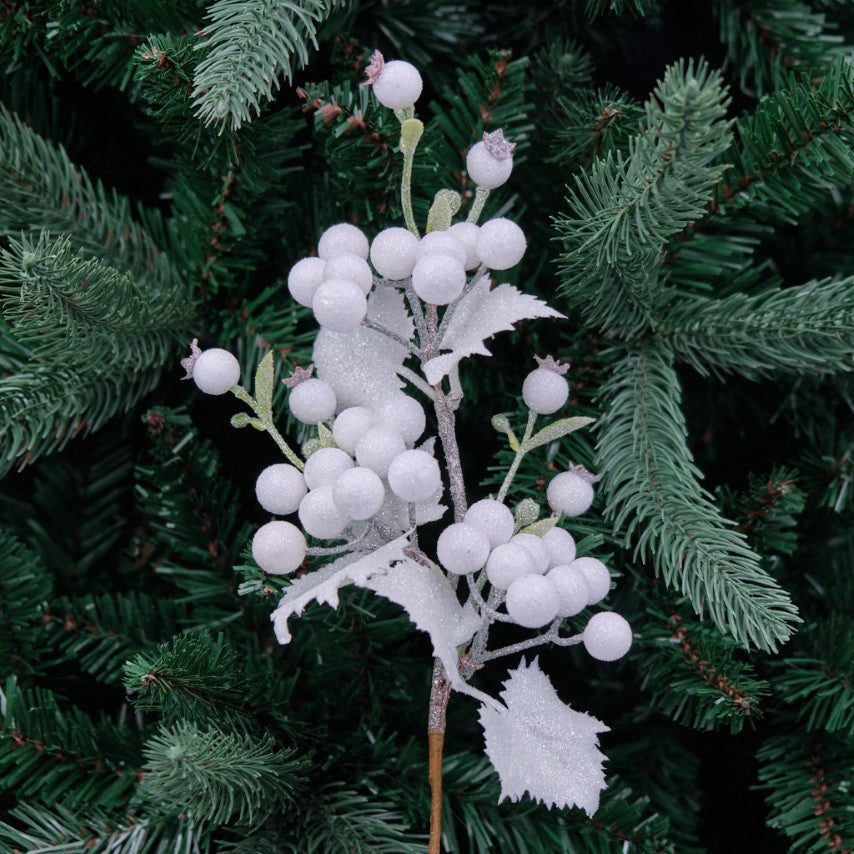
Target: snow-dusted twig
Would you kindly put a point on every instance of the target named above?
(550, 636)
(398, 339)
(520, 454)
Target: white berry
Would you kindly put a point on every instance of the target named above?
(404, 414)
(312, 401)
(597, 575)
(545, 391)
(280, 488)
(500, 244)
(378, 447)
(467, 233)
(532, 601)
(414, 476)
(358, 493)
(572, 587)
(607, 636)
(393, 253)
(342, 239)
(492, 518)
(350, 425)
(304, 279)
(278, 547)
(339, 305)
(462, 549)
(352, 268)
(216, 371)
(486, 170)
(535, 546)
(570, 494)
(324, 466)
(438, 279)
(398, 85)
(320, 516)
(508, 562)
(560, 545)
(441, 243)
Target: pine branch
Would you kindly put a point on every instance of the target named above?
(217, 776)
(623, 211)
(247, 44)
(636, 8)
(652, 493)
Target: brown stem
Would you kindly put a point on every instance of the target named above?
(439, 694)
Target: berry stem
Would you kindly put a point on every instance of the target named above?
(550, 636)
(520, 453)
(266, 420)
(406, 192)
(480, 197)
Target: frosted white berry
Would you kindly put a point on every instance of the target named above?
(358, 493)
(438, 279)
(280, 488)
(508, 562)
(572, 587)
(339, 305)
(535, 546)
(324, 466)
(467, 233)
(393, 253)
(350, 425)
(485, 169)
(351, 268)
(404, 414)
(597, 575)
(304, 279)
(378, 447)
(570, 494)
(492, 518)
(320, 516)
(532, 601)
(398, 85)
(312, 401)
(462, 549)
(560, 545)
(278, 547)
(216, 371)
(607, 636)
(545, 391)
(342, 239)
(441, 243)
(414, 476)
(500, 244)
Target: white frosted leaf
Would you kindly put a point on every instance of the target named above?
(362, 365)
(481, 314)
(539, 745)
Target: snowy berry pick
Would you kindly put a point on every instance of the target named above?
(398, 315)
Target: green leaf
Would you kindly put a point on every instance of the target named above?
(243, 419)
(324, 436)
(264, 387)
(542, 527)
(411, 132)
(526, 513)
(445, 205)
(557, 430)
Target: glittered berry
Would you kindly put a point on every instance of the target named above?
(441, 243)
(405, 414)
(278, 547)
(350, 425)
(597, 575)
(358, 493)
(572, 587)
(342, 239)
(500, 244)
(216, 371)
(378, 447)
(532, 601)
(324, 466)
(438, 279)
(414, 476)
(535, 546)
(560, 545)
(398, 85)
(351, 268)
(339, 305)
(490, 162)
(467, 233)
(607, 636)
(312, 401)
(545, 391)
(280, 488)
(320, 516)
(304, 279)
(393, 253)
(492, 518)
(570, 493)
(462, 549)
(508, 562)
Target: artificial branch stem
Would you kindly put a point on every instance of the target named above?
(520, 453)
(550, 636)
(266, 420)
(480, 197)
